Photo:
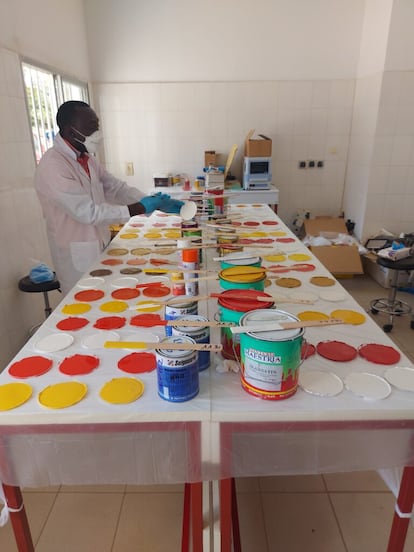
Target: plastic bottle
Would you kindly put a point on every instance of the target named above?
(190, 262)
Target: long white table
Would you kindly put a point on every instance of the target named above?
(222, 433)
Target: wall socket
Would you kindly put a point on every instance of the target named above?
(129, 168)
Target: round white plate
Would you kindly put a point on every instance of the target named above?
(332, 295)
(141, 335)
(303, 295)
(367, 386)
(54, 342)
(188, 210)
(91, 282)
(97, 340)
(322, 384)
(125, 281)
(400, 377)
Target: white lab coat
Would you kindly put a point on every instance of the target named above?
(78, 209)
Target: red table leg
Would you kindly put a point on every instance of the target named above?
(225, 515)
(185, 535)
(197, 516)
(235, 517)
(405, 503)
(18, 518)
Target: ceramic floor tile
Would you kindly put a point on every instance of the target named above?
(51, 489)
(355, 481)
(247, 484)
(252, 529)
(85, 522)
(298, 522)
(38, 507)
(292, 484)
(365, 520)
(92, 489)
(149, 522)
(179, 488)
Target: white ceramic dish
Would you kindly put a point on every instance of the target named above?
(368, 386)
(54, 342)
(400, 377)
(322, 384)
(91, 282)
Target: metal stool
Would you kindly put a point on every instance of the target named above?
(25, 284)
(391, 305)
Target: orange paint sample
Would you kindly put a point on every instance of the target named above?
(78, 365)
(125, 293)
(111, 262)
(156, 291)
(110, 323)
(30, 367)
(147, 320)
(72, 323)
(89, 295)
(138, 363)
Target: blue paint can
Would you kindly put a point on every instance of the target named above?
(179, 309)
(199, 334)
(177, 370)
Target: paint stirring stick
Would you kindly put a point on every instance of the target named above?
(268, 325)
(275, 298)
(213, 347)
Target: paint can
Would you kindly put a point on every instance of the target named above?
(177, 371)
(270, 360)
(199, 334)
(178, 310)
(243, 277)
(233, 304)
(243, 261)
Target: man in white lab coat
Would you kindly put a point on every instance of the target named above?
(80, 199)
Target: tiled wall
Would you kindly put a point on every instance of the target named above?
(21, 223)
(167, 126)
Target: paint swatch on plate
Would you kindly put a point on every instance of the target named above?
(89, 295)
(30, 367)
(110, 323)
(138, 363)
(400, 377)
(322, 281)
(122, 390)
(13, 395)
(322, 384)
(112, 262)
(101, 272)
(114, 306)
(140, 251)
(336, 350)
(156, 291)
(77, 365)
(380, 354)
(54, 342)
(349, 316)
(72, 323)
(147, 306)
(130, 270)
(125, 293)
(62, 395)
(117, 251)
(312, 315)
(367, 386)
(299, 257)
(288, 282)
(76, 308)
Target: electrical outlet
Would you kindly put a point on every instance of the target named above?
(311, 164)
(129, 168)
(320, 164)
(302, 165)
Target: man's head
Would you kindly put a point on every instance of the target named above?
(76, 120)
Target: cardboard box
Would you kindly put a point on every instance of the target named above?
(340, 260)
(257, 147)
(381, 274)
(210, 158)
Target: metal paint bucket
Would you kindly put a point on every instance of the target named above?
(244, 261)
(199, 334)
(243, 277)
(270, 360)
(231, 309)
(179, 309)
(177, 371)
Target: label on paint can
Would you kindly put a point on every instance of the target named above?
(199, 334)
(177, 371)
(177, 310)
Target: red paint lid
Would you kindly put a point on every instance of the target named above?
(336, 350)
(380, 354)
(125, 293)
(30, 367)
(78, 364)
(243, 300)
(89, 295)
(138, 363)
(110, 323)
(72, 323)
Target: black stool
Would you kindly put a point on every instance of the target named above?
(391, 305)
(25, 284)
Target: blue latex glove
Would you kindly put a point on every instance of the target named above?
(152, 202)
(169, 205)
(41, 273)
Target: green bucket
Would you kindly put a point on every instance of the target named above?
(243, 277)
(270, 360)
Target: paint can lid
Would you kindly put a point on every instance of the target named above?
(189, 317)
(175, 353)
(243, 274)
(244, 300)
(266, 316)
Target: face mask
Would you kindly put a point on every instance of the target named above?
(91, 142)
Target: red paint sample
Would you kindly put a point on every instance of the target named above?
(336, 350)
(308, 350)
(156, 291)
(72, 323)
(303, 267)
(112, 262)
(147, 320)
(285, 240)
(278, 269)
(125, 293)
(245, 241)
(89, 295)
(270, 222)
(251, 223)
(77, 365)
(138, 363)
(380, 354)
(159, 224)
(110, 323)
(264, 240)
(30, 366)
(137, 224)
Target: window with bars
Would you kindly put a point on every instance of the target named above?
(45, 92)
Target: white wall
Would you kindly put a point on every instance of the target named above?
(400, 54)
(50, 33)
(187, 40)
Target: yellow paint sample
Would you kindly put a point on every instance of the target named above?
(312, 315)
(258, 234)
(349, 316)
(172, 234)
(122, 390)
(13, 395)
(278, 233)
(127, 236)
(114, 306)
(153, 235)
(62, 395)
(76, 308)
(141, 306)
(275, 258)
(117, 251)
(299, 257)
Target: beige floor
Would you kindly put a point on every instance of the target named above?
(317, 513)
